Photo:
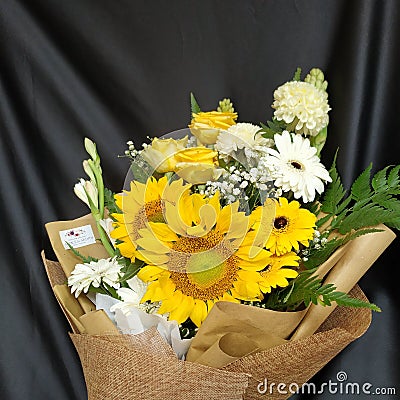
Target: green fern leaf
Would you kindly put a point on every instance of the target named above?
(334, 192)
(369, 215)
(379, 181)
(308, 288)
(319, 256)
(393, 178)
(361, 187)
(343, 299)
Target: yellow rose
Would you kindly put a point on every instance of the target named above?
(207, 125)
(197, 165)
(161, 153)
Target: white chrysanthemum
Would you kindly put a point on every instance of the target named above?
(95, 273)
(305, 103)
(295, 166)
(241, 136)
(132, 296)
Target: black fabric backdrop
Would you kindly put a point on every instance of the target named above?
(120, 70)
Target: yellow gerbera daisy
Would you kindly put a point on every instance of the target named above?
(292, 225)
(143, 203)
(276, 275)
(201, 254)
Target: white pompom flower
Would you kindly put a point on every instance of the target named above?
(94, 274)
(304, 105)
(295, 166)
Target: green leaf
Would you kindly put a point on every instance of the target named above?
(361, 186)
(379, 181)
(308, 288)
(194, 105)
(371, 202)
(85, 260)
(393, 178)
(271, 128)
(131, 269)
(141, 170)
(343, 299)
(109, 202)
(319, 256)
(334, 192)
(369, 215)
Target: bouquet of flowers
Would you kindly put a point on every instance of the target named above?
(229, 247)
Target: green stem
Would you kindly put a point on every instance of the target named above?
(100, 186)
(104, 239)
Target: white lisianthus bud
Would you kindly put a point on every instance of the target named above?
(83, 189)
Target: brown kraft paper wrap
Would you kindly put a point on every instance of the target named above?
(67, 258)
(81, 321)
(144, 367)
(265, 328)
(359, 256)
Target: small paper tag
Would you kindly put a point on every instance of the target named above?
(77, 237)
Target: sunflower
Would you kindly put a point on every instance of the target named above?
(292, 226)
(276, 274)
(201, 254)
(143, 203)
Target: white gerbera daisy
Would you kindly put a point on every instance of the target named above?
(302, 104)
(131, 298)
(242, 136)
(95, 273)
(295, 166)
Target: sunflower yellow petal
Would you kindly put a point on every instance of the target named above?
(127, 248)
(151, 192)
(150, 273)
(247, 291)
(199, 312)
(163, 231)
(224, 219)
(207, 221)
(249, 276)
(174, 219)
(239, 226)
(153, 293)
(181, 313)
(152, 258)
(153, 245)
(171, 303)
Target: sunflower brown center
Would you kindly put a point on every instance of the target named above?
(151, 211)
(203, 267)
(154, 211)
(280, 223)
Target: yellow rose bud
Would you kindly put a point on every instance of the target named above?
(197, 165)
(202, 155)
(161, 153)
(206, 126)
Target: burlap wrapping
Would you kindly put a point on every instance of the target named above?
(144, 367)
